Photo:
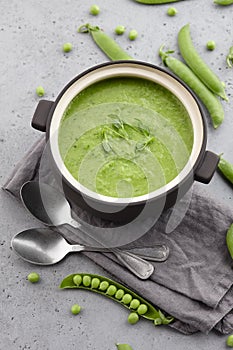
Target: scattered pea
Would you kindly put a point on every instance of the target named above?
(104, 285)
(127, 298)
(67, 47)
(134, 304)
(133, 318)
(230, 341)
(111, 290)
(40, 91)
(86, 281)
(210, 45)
(142, 309)
(33, 277)
(119, 294)
(95, 283)
(77, 279)
(94, 10)
(119, 30)
(75, 309)
(172, 11)
(133, 34)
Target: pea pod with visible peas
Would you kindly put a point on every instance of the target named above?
(116, 292)
(226, 169)
(105, 43)
(211, 102)
(223, 2)
(229, 57)
(196, 63)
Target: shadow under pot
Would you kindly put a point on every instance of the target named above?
(127, 139)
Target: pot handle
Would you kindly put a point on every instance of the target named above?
(40, 116)
(206, 170)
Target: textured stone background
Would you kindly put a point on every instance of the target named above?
(31, 37)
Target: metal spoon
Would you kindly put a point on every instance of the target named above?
(43, 246)
(36, 195)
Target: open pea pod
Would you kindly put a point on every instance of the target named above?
(151, 313)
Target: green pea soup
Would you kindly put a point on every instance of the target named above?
(125, 137)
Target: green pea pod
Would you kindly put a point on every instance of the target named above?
(229, 57)
(229, 240)
(123, 347)
(196, 63)
(105, 43)
(211, 102)
(156, 2)
(223, 2)
(226, 169)
(151, 313)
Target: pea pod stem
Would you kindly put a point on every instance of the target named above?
(180, 69)
(196, 63)
(151, 314)
(105, 42)
(223, 2)
(226, 169)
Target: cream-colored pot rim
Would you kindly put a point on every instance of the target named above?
(138, 70)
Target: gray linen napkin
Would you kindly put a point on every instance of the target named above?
(195, 284)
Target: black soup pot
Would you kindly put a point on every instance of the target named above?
(200, 166)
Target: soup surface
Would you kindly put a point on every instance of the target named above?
(125, 137)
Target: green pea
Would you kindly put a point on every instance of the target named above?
(75, 309)
(134, 304)
(172, 11)
(95, 283)
(133, 34)
(94, 10)
(210, 45)
(33, 277)
(40, 91)
(142, 309)
(133, 318)
(104, 285)
(86, 281)
(119, 30)
(67, 47)
(119, 294)
(230, 341)
(157, 321)
(77, 279)
(127, 298)
(111, 290)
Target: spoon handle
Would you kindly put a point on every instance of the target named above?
(141, 268)
(138, 266)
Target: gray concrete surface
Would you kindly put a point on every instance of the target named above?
(31, 36)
